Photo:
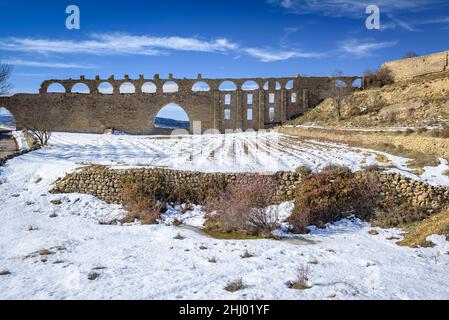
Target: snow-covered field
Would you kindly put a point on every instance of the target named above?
(147, 262)
(241, 152)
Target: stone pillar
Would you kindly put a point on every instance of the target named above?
(116, 86)
(67, 87)
(283, 115)
(305, 100)
(238, 123)
(218, 114)
(139, 83)
(93, 88)
(261, 110)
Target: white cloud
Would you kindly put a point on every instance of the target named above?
(341, 8)
(46, 64)
(116, 43)
(126, 44)
(265, 55)
(395, 22)
(364, 48)
(443, 20)
(32, 75)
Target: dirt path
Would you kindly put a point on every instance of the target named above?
(7, 143)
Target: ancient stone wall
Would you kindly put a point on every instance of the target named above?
(271, 101)
(106, 184)
(406, 69)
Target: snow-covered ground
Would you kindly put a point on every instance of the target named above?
(147, 262)
(242, 152)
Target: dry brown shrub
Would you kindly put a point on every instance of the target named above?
(442, 132)
(332, 194)
(241, 208)
(302, 278)
(235, 285)
(140, 204)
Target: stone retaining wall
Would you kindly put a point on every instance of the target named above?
(106, 184)
(17, 154)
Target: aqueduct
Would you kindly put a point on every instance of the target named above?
(131, 105)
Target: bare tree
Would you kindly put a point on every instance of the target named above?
(39, 124)
(5, 73)
(338, 91)
(379, 77)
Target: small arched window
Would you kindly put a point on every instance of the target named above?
(105, 88)
(80, 88)
(170, 87)
(127, 88)
(227, 86)
(250, 86)
(149, 87)
(200, 86)
(55, 88)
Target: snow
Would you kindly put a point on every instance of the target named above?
(21, 141)
(359, 129)
(146, 262)
(437, 174)
(239, 152)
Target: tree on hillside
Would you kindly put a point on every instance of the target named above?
(380, 77)
(411, 54)
(5, 73)
(338, 91)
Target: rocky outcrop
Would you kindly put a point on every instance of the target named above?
(412, 103)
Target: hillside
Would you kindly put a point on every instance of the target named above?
(171, 123)
(418, 103)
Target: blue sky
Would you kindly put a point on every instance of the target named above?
(216, 38)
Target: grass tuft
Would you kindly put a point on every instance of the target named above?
(179, 237)
(247, 255)
(235, 285)
(302, 279)
(416, 234)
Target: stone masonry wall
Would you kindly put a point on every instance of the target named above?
(270, 100)
(106, 184)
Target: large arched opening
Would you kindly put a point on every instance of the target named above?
(357, 84)
(7, 120)
(171, 117)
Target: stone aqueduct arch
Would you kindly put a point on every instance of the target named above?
(135, 113)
